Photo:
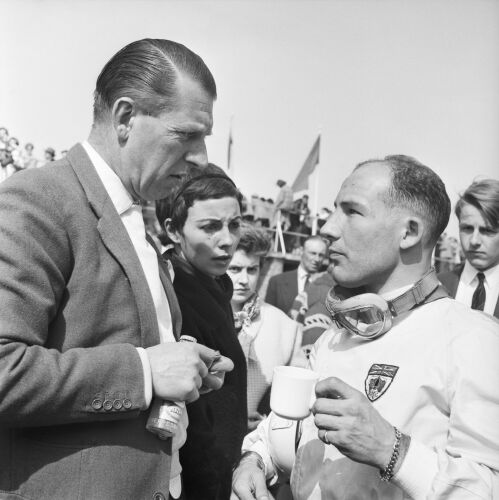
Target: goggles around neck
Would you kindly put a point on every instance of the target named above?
(369, 315)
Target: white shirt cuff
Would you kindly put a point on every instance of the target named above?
(418, 470)
(146, 368)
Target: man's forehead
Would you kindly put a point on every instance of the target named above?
(370, 181)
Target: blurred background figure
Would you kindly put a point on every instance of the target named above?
(283, 205)
(28, 157)
(283, 288)
(48, 156)
(267, 336)
(476, 281)
(4, 138)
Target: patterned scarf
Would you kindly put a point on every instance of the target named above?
(249, 312)
(243, 320)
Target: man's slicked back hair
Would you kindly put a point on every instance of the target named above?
(419, 189)
(484, 196)
(147, 71)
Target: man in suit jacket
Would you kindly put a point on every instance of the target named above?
(85, 300)
(284, 287)
(476, 282)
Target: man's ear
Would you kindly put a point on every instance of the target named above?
(123, 114)
(412, 232)
(172, 233)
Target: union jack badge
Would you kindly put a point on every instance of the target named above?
(379, 379)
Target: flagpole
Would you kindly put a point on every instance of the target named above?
(316, 200)
(316, 191)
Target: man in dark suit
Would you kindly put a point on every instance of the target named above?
(284, 287)
(88, 316)
(476, 282)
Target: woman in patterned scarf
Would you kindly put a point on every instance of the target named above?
(268, 337)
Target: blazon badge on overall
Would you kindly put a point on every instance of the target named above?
(379, 379)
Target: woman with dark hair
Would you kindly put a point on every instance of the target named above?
(268, 337)
(203, 225)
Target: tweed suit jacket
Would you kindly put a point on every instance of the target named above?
(450, 280)
(282, 290)
(74, 305)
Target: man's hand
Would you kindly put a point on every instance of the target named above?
(248, 481)
(179, 369)
(352, 423)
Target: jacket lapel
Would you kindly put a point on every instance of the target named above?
(115, 238)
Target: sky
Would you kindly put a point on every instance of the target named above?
(373, 77)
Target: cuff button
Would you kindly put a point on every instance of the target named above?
(97, 404)
(108, 405)
(127, 404)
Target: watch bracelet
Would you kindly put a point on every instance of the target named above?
(387, 473)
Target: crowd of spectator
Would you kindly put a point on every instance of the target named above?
(14, 157)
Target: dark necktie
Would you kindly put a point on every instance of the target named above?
(307, 281)
(478, 300)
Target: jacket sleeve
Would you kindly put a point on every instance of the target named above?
(40, 385)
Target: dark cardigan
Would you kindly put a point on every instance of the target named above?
(217, 420)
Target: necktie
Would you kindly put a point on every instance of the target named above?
(306, 282)
(478, 300)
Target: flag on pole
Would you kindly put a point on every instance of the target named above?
(301, 181)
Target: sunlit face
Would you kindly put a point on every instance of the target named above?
(314, 253)
(364, 232)
(244, 271)
(479, 240)
(210, 234)
(158, 146)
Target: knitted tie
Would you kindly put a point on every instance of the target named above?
(478, 300)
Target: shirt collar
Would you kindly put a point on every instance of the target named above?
(302, 273)
(120, 197)
(469, 273)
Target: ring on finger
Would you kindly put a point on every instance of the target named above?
(326, 440)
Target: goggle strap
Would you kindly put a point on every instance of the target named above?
(416, 295)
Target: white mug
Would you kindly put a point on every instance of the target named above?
(293, 392)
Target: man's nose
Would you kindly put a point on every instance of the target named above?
(475, 238)
(330, 229)
(198, 154)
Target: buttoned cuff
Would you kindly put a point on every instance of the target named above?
(418, 470)
(146, 368)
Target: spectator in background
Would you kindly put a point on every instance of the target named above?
(268, 337)
(309, 309)
(48, 156)
(14, 149)
(323, 216)
(284, 204)
(4, 138)
(64, 152)
(28, 158)
(476, 282)
(6, 164)
(204, 226)
(284, 287)
(261, 212)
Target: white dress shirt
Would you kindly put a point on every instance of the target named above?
(131, 216)
(468, 283)
(302, 278)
